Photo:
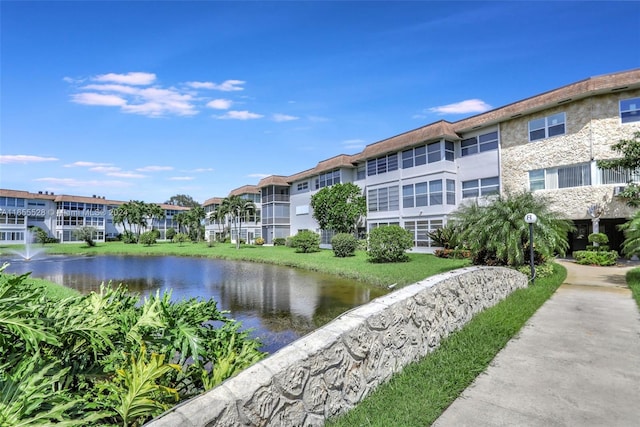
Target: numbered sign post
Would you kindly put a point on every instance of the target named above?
(531, 219)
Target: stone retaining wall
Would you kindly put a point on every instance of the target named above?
(330, 370)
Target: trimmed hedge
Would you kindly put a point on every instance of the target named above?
(344, 245)
(596, 258)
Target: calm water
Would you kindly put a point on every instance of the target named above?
(281, 304)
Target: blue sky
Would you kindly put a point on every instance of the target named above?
(144, 100)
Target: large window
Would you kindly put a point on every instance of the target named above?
(383, 199)
(12, 202)
(451, 192)
(420, 231)
(303, 186)
(547, 127)
(480, 187)
(630, 110)
(430, 153)
(574, 176)
(361, 171)
(618, 176)
(382, 164)
(423, 194)
(328, 179)
(479, 144)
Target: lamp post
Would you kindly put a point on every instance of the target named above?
(531, 219)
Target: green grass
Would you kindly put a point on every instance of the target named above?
(357, 267)
(422, 391)
(633, 280)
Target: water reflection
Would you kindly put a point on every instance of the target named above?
(280, 304)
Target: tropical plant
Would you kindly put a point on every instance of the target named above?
(339, 207)
(103, 356)
(148, 238)
(237, 209)
(496, 233)
(389, 244)
(183, 200)
(629, 149)
(87, 234)
(631, 230)
(306, 241)
(445, 237)
(344, 245)
(181, 238)
(170, 233)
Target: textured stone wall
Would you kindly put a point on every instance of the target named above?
(592, 126)
(329, 371)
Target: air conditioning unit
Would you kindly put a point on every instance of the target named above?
(618, 190)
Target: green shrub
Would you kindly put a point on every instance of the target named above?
(542, 270)
(306, 241)
(181, 238)
(344, 245)
(445, 236)
(453, 253)
(87, 234)
(596, 258)
(599, 238)
(601, 248)
(389, 243)
(170, 234)
(148, 238)
(129, 237)
(259, 241)
(279, 241)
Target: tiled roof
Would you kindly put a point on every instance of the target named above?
(339, 161)
(83, 199)
(212, 201)
(273, 180)
(245, 189)
(432, 132)
(25, 194)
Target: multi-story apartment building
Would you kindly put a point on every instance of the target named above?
(248, 225)
(548, 143)
(60, 215)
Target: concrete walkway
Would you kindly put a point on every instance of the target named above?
(575, 363)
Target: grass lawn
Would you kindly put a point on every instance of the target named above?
(357, 267)
(633, 280)
(422, 391)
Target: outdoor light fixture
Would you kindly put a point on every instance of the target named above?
(531, 219)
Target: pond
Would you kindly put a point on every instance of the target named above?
(279, 304)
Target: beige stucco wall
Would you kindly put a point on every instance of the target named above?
(592, 126)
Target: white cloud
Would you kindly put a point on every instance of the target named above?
(283, 117)
(200, 170)
(154, 168)
(92, 98)
(105, 169)
(317, 119)
(128, 79)
(24, 158)
(84, 164)
(126, 175)
(240, 115)
(463, 107)
(181, 178)
(226, 86)
(258, 175)
(70, 182)
(220, 104)
(229, 85)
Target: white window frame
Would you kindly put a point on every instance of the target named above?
(548, 125)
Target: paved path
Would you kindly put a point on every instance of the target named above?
(575, 363)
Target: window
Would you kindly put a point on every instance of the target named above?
(420, 231)
(414, 157)
(479, 144)
(451, 192)
(382, 164)
(574, 176)
(383, 199)
(547, 127)
(423, 194)
(630, 110)
(618, 176)
(537, 180)
(449, 151)
(433, 152)
(480, 187)
(361, 171)
(302, 186)
(328, 179)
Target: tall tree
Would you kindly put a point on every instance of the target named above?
(183, 200)
(629, 149)
(339, 207)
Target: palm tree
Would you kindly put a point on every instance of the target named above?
(154, 212)
(497, 232)
(237, 209)
(631, 229)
